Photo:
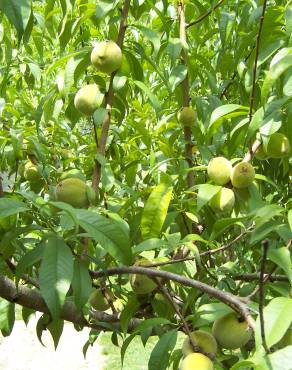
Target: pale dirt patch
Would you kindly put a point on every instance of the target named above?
(22, 350)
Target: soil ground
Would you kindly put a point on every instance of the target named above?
(22, 350)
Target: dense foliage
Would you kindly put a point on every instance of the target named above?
(147, 194)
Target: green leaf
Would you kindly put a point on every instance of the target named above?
(105, 6)
(177, 75)
(128, 312)
(149, 244)
(226, 111)
(242, 365)
(221, 225)
(212, 311)
(18, 12)
(155, 211)
(281, 360)
(161, 352)
(282, 258)
(55, 274)
(290, 218)
(29, 259)
(10, 207)
(151, 35)
(7, 317)
(125, 345)
(151, 323)
(152, 97)
(205, 193)
(110, 234)
(263, 231)
(274, 73)
(277, 318)
(56, 328)
(81, 283)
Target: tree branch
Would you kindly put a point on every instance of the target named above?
(30, 298)
(252, 95)
(251, 151)
(206, 253)
(256, 276)
(186, 93)
(109, 101)
(255, 146)
(235, 73)
(261, 294)
(225, 297)
(1, 188)
(204, 16)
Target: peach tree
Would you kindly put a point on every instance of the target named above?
(145, 175)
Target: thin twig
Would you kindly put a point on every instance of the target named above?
(109, 101)
(235, 73)
(28, 279)
(1, 188)
(186, 93)
(256, 276)
(168, 296)
(206, 253)
(95, 133)
(265, 245)
(252, 150)
(257, 51)
(202, 17)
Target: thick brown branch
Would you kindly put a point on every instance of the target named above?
(32, 299)
(225, 297)
(204, 16)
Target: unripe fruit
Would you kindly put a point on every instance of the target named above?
(31, 173)
(278, 146)
(106, 56)
(65, 153)
(223, 201)
(196, 361)
(242, 175)
(142, 284)
(261, 154)
(202, 339)
(73, 173)
(162, 306)
(187, 116)
(219, 170)
(87, 99)
(72, 191)
(7, 223)
(98, 301)
(231, 333)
